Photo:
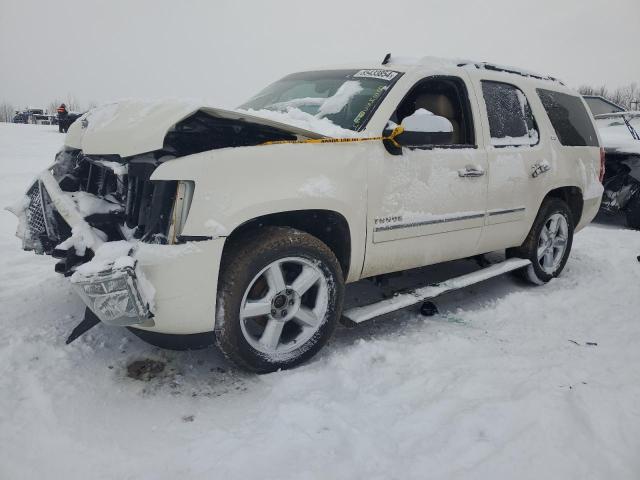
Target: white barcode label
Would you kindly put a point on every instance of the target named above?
(380, 74)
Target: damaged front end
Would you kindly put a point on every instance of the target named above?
(94, 212)
(91, 213)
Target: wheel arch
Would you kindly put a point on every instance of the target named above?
(572, 196)
(329, 226)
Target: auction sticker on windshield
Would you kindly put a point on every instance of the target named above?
(380, 74)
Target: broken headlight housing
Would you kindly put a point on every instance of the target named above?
(114, 297)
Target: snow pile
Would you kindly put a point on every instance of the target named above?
(340, 99)
(83, 236)
(615, 135)
(129, 114)
(289, 112)
(115, 167)
(89, 204)
(19, 209)
(422, 120)
(298, 118)
(107, 256)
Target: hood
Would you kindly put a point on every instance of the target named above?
(134, 127)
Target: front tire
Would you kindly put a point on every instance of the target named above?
(279, 298)
(548, 243)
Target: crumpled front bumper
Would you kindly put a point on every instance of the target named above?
(164, 288)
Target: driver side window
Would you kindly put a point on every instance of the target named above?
(445, 97)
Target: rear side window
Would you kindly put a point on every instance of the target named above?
(511, 121)
(569, 118)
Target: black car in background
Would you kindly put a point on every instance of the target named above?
(20, 117)
(620, 134)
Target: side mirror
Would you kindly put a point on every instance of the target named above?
(424, 129)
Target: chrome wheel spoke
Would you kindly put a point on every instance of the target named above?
(306, 317)
(255, 308)
(553, 226)
(544, 234)
(541, 251)
(307, 278)
(275, 279)
(559, 242)
(271, 335)
(548, 258)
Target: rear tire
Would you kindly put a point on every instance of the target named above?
(279, 297)
(633, 212)
(548, 243)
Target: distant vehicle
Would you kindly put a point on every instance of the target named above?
(20, 117)
(620, 134)
(177, 219)
(600, 105)
(43, 119)
(28, 115)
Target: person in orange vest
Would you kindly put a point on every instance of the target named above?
(62, 116)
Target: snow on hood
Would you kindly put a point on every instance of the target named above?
(617, 138)
(132, 127)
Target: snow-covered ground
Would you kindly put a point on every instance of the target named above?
(501, 385)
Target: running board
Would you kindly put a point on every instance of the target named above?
(411, 297)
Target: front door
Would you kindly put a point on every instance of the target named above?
(428, 205)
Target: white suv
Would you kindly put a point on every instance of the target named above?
(173, 218)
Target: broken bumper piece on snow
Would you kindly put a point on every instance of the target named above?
(114, 297)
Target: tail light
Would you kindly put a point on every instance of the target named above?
(601, 176)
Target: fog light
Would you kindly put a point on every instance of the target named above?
(114, 297)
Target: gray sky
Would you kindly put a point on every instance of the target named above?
(224, 51)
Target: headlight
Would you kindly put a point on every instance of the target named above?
(114, 297)
(180, 210)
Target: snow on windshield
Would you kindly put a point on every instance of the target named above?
(289, 112)
(330, 102)
(300, 119)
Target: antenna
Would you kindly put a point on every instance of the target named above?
(387, 57)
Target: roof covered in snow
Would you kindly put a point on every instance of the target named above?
(407, 64)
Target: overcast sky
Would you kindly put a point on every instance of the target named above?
(224, 51)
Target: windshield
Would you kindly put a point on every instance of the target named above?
(347, 98)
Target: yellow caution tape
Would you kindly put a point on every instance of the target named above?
(392, 138)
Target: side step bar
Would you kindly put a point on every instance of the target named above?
(411, 297)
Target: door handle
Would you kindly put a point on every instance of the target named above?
(471, 171)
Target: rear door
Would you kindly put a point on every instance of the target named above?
(519, 158)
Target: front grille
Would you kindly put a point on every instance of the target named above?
(35, 213)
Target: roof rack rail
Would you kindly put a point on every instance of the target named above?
(515, 71)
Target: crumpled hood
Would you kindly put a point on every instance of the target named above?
(132, 127)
